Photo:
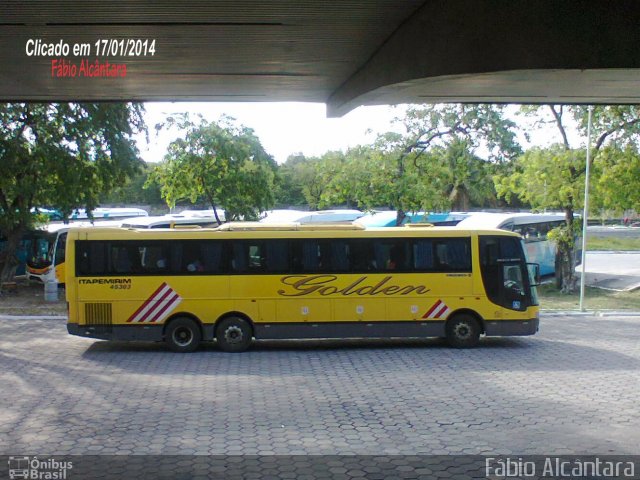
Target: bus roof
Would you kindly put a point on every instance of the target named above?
(320, 216)
(387, 218)
(498, 220)
(285, 230)
(165, 221)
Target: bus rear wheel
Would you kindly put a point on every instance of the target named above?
(463, 331)
(183, 335)
(234, 334)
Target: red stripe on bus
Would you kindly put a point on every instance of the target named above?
(152, 316)
(170, 302)
(432, 309)
(146, 302)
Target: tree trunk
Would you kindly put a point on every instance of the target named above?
(565, 257)
(400, 216)
(8, 259)
(215, 213)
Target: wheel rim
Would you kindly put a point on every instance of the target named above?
(233, 335)
(462, 331)
(182, 336)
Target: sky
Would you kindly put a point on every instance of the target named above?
(288, 128)
(283, 128)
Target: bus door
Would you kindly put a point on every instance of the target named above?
(504, 272)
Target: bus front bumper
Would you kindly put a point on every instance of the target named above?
(500, 328)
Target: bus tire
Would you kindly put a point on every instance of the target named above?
(463, 331)
(183, 335)
(234, 334)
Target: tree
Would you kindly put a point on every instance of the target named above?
(289, 180)
(468, 177)
(616, 173)
(430, 166)
(551, 178)
(62, 155)
(562, 169)
(135, 190)
(222, 163)
(300, 180)
(370, 178)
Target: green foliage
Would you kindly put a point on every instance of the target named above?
(468, 177)
(617, 125)
(62, 155)
(546, 178)
(370, 177)
(432, 166)
(136, 190)
(616, 174)
(483, 127)
(222, 163)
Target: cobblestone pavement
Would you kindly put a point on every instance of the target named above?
(571, 389)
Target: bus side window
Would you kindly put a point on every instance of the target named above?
(310, 256)
(154, 258)
(390, 255)
(277, 256)
(90, 258)
(256, 257)
(423, 255)
(60, 248)
(357, 257)
(211, 253)
(239, 262)
(120, 260)
(459, 254)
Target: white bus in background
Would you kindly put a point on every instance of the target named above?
(534, 228)
(387, 218)
(196, 218)
(107, 213)
(46, 261)
(305, 217)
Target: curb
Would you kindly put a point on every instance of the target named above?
(33, 317)
(588, 313)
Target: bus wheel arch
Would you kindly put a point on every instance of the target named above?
(234, 332)
(183, 333)
(463, 328)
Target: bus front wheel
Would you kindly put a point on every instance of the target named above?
(234, 334)
(463, 331)
(183, 335)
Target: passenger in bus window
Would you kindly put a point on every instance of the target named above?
(195, 266)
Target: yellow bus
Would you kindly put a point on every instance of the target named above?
(245, 281)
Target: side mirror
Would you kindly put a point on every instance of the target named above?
(534, 274)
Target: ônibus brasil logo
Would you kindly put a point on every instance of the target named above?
(38, 469)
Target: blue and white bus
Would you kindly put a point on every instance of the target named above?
(534, 228)
(387, 218)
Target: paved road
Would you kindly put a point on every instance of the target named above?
(617, 231)
(571, 389)
(611, 270)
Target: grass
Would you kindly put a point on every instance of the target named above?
(612, 243)
(595, 299)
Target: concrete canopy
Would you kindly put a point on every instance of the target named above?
(345, 53)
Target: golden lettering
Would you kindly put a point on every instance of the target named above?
(324, 285)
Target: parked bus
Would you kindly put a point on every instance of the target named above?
(108, 213)
(47, 260)
(244, 281)
(533, 227)
(388, 218)
(304, 217)
(51, 267)
(172, 220)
